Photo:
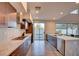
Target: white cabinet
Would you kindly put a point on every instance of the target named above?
(60, 46)
(68, 46)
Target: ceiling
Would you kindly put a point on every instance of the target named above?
(51, 10)
(74, 18)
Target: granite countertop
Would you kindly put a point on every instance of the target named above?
(7, 47)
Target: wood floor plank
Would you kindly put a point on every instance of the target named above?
(42, 48)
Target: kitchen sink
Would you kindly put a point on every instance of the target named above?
(20, 38)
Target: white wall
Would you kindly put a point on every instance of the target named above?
(50, 27)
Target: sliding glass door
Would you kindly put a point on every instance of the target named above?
(38, 31)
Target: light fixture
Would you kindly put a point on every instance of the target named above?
(61, 13)
(54, 18)
(37, 11)
(37, 8)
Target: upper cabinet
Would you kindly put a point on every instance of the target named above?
(5, 10)
(12, 13)
(23, 9)
(20, 6)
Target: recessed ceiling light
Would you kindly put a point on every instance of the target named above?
(61, 13)
(54, 18)
(37, 11)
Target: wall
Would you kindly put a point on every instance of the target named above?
(50, 27)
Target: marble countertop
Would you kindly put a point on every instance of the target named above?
(54, 35)
(67, 37)
(7, 47)
(64, 37)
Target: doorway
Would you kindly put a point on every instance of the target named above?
(38, 31)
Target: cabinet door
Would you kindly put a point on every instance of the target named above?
(19, 51)
(60, 45)
(52, 40)
(72, 48)
(23, 49)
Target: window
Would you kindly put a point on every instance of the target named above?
(61, 28)
(72, 29)
(67, 29)
(74, 11)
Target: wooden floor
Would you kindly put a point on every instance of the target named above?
(42, 48)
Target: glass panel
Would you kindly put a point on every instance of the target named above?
(61, 28)
(75, 29)
(67, 29)
(39, 31)
(70, 29)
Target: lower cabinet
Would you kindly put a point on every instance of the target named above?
(52, 40)
(61, 46)
(23, 49)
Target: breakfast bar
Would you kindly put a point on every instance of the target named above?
(68, 46)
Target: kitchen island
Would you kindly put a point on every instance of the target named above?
(68, 46)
